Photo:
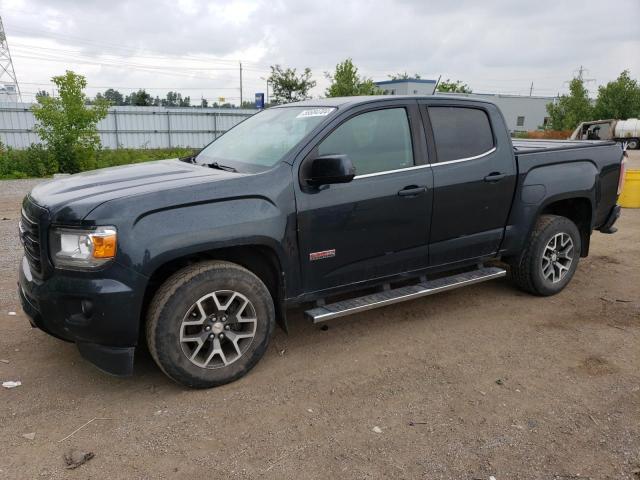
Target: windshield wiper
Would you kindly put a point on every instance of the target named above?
(221, 167)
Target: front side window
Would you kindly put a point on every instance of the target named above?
(375, 141)
(264, 139)
(460, 132)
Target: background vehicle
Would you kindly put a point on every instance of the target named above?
(396, 198)
(627, 131)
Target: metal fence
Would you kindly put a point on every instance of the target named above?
(132, 127)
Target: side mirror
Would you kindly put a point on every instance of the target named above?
(330, 169)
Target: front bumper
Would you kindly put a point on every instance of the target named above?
(99, 313)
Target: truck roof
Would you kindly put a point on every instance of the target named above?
(358, 100)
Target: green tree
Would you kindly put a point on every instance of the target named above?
(114, 96)
(405, 76)
(288, 86)
(42, 93)
(569, 110)
(451, 86)
(140, 99)
(171, 99)
(619, 99)
(346, 82)
(204, 103)
(67, 126)
(175, 99)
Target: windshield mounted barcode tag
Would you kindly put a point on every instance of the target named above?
(314, 112)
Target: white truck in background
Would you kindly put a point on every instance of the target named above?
(626, 131)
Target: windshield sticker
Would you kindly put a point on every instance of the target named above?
(315, 112)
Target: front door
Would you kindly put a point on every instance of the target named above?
(378, 224)
(474, 176)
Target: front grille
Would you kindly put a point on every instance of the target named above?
(30, 236)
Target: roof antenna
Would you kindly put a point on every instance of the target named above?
(435, 89)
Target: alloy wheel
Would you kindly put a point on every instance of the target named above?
(218, 329)
(557, 257)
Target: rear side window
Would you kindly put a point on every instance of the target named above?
(375, 141)
(460, 132)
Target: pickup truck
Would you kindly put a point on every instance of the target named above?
(339, 205)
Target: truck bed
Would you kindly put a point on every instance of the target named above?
(533, 145)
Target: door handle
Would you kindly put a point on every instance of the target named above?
(495, 177)
(412, 191)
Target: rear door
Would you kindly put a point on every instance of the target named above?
(474, 175)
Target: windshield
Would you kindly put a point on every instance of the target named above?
(262, 140)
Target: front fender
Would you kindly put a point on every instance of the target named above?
(160, 236)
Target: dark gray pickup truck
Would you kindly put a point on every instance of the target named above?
(375, 200)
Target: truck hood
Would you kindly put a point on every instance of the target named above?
(76, 195)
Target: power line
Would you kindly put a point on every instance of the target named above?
(133, 50)
(79, 54)
(134, 88)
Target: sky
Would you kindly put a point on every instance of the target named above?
(194, 47)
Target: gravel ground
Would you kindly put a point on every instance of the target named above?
(11, 193)
(478, 382)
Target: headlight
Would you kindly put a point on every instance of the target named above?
(84, 249)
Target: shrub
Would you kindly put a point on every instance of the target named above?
(67, 125)
(38, 161)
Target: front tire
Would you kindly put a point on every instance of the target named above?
(209, 324)
(550, 258)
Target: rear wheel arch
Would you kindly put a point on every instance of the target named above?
(550, 256)
(577, 209)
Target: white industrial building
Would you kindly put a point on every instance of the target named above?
(522, 113)
(409, 86)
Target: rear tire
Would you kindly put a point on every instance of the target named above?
(209, 324)
(633, 144)
(550, 257)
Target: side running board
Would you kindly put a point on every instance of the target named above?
(388, 297)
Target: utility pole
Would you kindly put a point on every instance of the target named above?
(240, 84)
(531, 89)
(7, 72)
(266, 94)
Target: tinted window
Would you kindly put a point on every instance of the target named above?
(460, 132)
(374, 141)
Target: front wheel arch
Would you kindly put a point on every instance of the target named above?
(261, 260)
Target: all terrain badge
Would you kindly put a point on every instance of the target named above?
(322, 255)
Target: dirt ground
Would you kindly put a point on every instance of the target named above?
(464, 385)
